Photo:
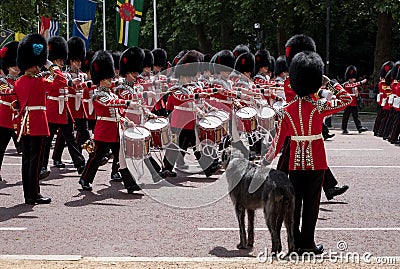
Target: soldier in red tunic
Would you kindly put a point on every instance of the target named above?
(351, 86)
(31, 89)
(8, 59)
(58, 112)
(107, 130)
(302, 121)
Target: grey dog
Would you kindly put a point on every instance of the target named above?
(252, 187)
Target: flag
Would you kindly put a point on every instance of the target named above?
(5, 37)
(84, 13)
(49, 27)
(19, 36)
(128, 18)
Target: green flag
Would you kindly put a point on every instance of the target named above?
(5, 37)
(129, 16)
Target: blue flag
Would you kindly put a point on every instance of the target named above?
(84, 13)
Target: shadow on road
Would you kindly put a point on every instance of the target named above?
(7, 213)
(223, 252)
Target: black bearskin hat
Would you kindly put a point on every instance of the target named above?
(272, 65)
(102, 66)
(178, 57)
(32, 51)
(8, 56)
(160, 57)
(116, 57)
(385, 68)
(58, 48)
(351, 72)
(306, 72)
(76, 49)
(280, 65)
(389, 78)
(85, 67)
(187, 64)
(148, 58)
(395, 70)
(245, 63)
(131, 61)
(225, 58)
(296, 44)
(240, 49)
(263, 58)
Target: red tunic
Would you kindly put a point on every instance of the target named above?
(88, 107)
(54, 99)
(106, 105)
(74, 92)
(302, 120)
(31, 94)
(351, 89)
(7, 96)
(289, 93)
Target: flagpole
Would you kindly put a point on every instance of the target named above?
(67, 19)
(155, 23)
(104, 24)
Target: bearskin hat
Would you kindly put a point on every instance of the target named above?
(85, 67)
(160, 57)
(32, 51)
(148, 58)
(187, 64)
(296, 44)
(386, 67)
(245, 63)
(76, 49)
(263, 58)
(389, 78)
(272, 65)
(102, 66)
(225, 58)
(8, 56)
(306, 73)
(116, 57)
(280, 65)
(178, 57)
(395, 70)
(240, 49)
(351, 72)
(58, 48)
(131, 61)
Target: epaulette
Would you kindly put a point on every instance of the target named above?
(100, 94)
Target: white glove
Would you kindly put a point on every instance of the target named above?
(48, 64)
(326, 94)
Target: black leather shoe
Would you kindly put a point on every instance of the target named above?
(132, 189)
(318, 249)
(80, 169)
(59, 164)
(362, 129)
(332, 192)
(1, 179)
(41, 200)
(329, 136)
(85, 185)
(104, 161)
(345, 132)
(44, 173)
(167, 173)
(116, 177)
(212, 169)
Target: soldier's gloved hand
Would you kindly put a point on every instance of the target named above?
(363, 81)
(48, 64)
(133, 105)
(326, 94)
(265, 161)
(130, 124)
(325, 80)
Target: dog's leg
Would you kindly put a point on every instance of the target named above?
(240, 214)
(289, 223)
(272, 211)
(250, 228)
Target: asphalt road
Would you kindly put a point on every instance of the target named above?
(193, 217)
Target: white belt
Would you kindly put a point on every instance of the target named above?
(191, 109)
(86, 100)
(230, 102)
(30, 108)
(133, 111)
(72, 95)
(306, 137)
(5, 103)
(108, 118)
(56, 98)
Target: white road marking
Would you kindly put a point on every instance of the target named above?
(356, 149)
(318, 229)
(13, 228)
(42, 257)
(364, 166)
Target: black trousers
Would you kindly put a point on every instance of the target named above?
(187, 138)
(353, 110)
(32, 155)
(67, 131)
(384, 119)
(395, 132)
(283, 165)
(82, 132)
(307, 186)
(59, 147)
(93, 164)
(389, 123)
(5, 137)
(378, 119)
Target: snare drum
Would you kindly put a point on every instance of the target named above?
(266, 119)
(224, 117)
(137, 142)
(247, 119)
(210, 128)
(160, 132)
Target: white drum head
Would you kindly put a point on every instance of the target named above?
(156, 124)
(246, 113)
(222, 115)
(210, 122)
(266, 113)
(136, 133)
